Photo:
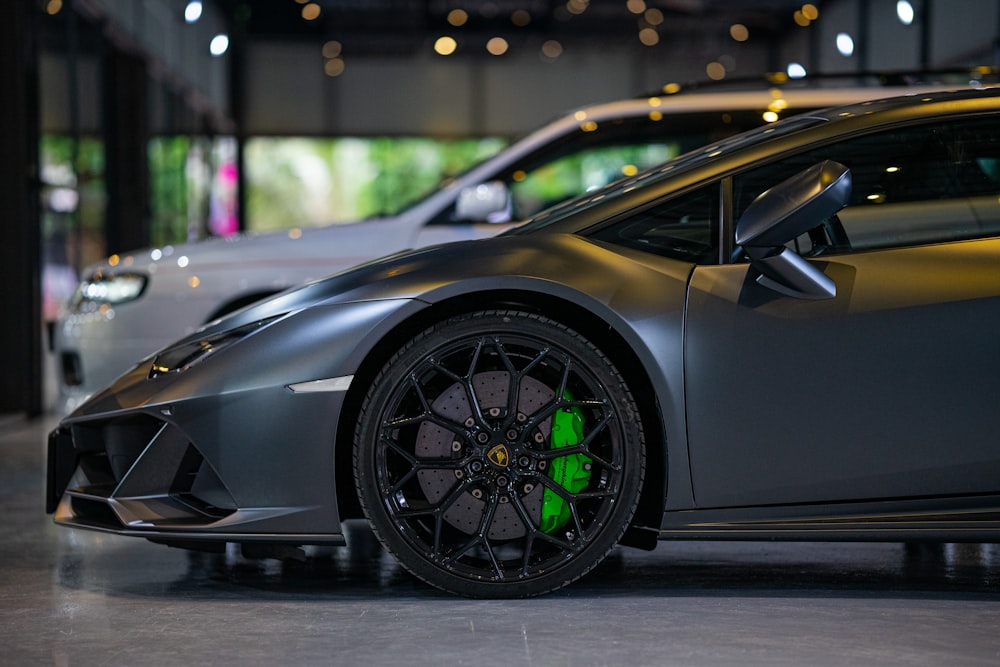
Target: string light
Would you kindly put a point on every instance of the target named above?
(905, 12)
(192, 12)
(445, 46)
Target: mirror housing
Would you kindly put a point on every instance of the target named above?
(786, 211)
(486, 202)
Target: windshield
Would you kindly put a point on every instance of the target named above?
(680, 164)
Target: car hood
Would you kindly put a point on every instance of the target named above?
(333, 244)
(405, 274)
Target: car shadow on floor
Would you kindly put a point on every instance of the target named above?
(676, 569)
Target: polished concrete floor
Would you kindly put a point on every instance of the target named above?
(82, 598)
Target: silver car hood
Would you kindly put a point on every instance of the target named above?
(337, 244)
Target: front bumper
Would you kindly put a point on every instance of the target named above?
(223, 450)
(141, 476)
(133, 473)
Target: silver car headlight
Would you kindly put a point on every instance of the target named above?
(111, 288)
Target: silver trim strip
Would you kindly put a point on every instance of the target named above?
(342, 383)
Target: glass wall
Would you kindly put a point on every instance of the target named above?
(193, 184)
(301, 182)
(73, 200)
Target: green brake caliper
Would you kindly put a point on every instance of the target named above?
(571, 472)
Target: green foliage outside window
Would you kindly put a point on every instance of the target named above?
(73, 197)
(168, 189)
(301, 182)
(579, 172)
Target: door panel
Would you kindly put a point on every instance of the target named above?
(889, 390)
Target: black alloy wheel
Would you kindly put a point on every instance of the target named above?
(499, 454)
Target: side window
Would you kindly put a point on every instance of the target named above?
(597, 153)
(684, 228)
(913, 185)
(576, 173)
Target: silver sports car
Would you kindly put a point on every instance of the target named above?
(785, 335)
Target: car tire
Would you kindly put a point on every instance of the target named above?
(499, 454)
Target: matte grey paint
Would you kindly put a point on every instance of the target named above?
(783, 417)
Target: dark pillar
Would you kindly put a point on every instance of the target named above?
(862, 50)
(20, 251)
(237, 101)
(926, 33)
(126, 134)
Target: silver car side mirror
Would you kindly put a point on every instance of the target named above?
(486, 202)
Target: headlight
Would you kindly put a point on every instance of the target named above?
(186, 354)
(111, 288)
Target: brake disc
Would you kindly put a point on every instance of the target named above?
(433, 441)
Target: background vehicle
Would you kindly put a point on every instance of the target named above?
(135, 303)
(676, 355)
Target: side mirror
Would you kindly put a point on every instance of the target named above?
(486, 202)
(784, 212)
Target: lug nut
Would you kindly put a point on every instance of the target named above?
(524, 462)
(502, 481)
(483, 438)
(512, 434)
(476, 466)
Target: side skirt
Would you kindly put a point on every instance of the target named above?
(973, 519)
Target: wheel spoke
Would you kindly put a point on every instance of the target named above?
(513, 382)
(491, 508)
(480, 539)
(439, 513)
(584, 447)
(534, 534)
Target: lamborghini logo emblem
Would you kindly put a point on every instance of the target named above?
(498, 456)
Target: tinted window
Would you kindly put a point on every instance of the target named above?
(599, 153)
(571, 175)
(911, 185)
(684, 228)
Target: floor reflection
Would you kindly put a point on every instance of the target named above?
(362, 566)
(952, 562)
(131, 567)
(76, 597)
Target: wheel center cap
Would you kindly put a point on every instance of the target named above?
(499, 456)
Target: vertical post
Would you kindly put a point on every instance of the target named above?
(126, 135)
(864, 31)
(237, 110)
(926, 31)
(20, 252)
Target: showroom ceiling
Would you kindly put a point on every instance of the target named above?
(397, 27)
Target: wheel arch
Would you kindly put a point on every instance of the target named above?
(644, 528)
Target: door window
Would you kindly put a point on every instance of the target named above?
(684, 228)
(597, 153)
(913, 185)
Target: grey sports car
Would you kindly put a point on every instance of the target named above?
(786, 335)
